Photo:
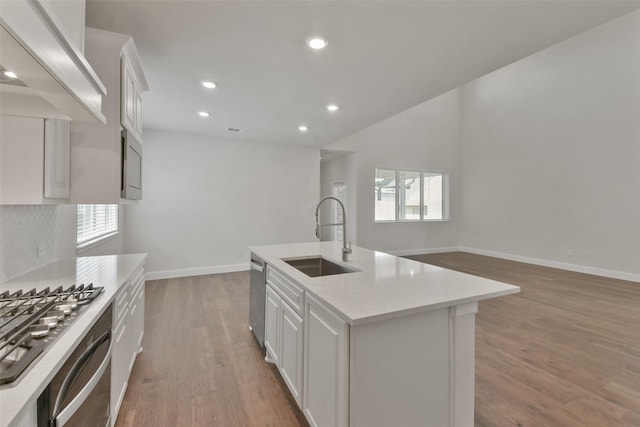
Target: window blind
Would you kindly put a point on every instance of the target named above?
(96, 222)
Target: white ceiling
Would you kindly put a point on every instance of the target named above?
(383, 57)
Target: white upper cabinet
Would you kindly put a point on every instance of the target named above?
(96, 150)
(42, 41)
(131, 103)
(34, 160)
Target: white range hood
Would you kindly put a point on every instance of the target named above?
(59, 82)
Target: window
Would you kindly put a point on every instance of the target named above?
(385, 195)
(96, 222)
(410, 196)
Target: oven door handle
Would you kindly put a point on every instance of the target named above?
(62, 415)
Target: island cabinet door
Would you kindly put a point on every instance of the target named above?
(326, 366)
(271, 324)
(290, 362)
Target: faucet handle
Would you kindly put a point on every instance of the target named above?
(317, 231)
(348, 250)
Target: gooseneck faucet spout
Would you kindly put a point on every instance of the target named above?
(345, 250)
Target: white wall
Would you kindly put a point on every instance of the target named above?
(342, 168)
(206, 199)
(24, 229)
(551, 153)
(425, 137)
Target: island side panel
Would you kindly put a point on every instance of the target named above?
(400, 371)
(462, 342)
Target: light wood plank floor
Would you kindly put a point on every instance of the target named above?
(563, 352)
(201, 366)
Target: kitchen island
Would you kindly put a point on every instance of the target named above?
(389, 343)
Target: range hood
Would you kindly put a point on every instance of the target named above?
(58, 82)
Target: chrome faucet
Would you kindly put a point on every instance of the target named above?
(345, 250)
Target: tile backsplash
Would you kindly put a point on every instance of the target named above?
(27, 238)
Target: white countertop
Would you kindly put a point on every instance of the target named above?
(110, 272)
(387, 286)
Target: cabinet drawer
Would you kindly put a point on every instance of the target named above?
(292, 293)
(121, 302)
(138, 282)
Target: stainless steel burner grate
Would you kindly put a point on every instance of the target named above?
(26, 318)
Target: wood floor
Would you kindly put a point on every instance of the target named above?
(201, 366)
(563, 352)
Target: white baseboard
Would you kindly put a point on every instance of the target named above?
(633, 277)
(423, 251)
(216, 269)
(197, 271)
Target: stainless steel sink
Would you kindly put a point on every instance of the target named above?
(317, 266)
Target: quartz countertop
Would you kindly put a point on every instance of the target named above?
(110, 272)
(386, 286)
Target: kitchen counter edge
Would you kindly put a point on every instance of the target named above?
(334, 290)
(110, 272)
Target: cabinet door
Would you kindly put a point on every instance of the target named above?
(128, 107)
(271, 320)
(291, 339)
(326, 366)
(132, 335)
(56, 158)
(119, 367)
(140, 320)
(138, 117)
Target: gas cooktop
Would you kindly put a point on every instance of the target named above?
(30, 321)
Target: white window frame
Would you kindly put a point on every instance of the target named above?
(445, 196)
(93, 229)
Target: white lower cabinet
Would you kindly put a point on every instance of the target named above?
(291, 346)
(283, 340)
(119, 367)
(326, 366)
(128, 329)
(271, 329)
(284, 329)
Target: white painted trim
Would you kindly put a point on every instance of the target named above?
(462, 321)
(463, 310)
(423, 251)
(621, 275)
(216, 269)
(196, 271)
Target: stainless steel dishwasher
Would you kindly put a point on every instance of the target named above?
(257, 292)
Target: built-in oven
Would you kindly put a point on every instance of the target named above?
(131, 167)
(79, 393)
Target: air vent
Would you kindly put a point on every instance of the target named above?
(236, 130)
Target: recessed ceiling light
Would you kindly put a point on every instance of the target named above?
(332, 107)
(204, 114)
(317, 43)
(303, 128)
(10, 74)
(208, 84)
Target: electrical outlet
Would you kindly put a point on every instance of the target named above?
(41, 251)
(570, 252)
(240, 253)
